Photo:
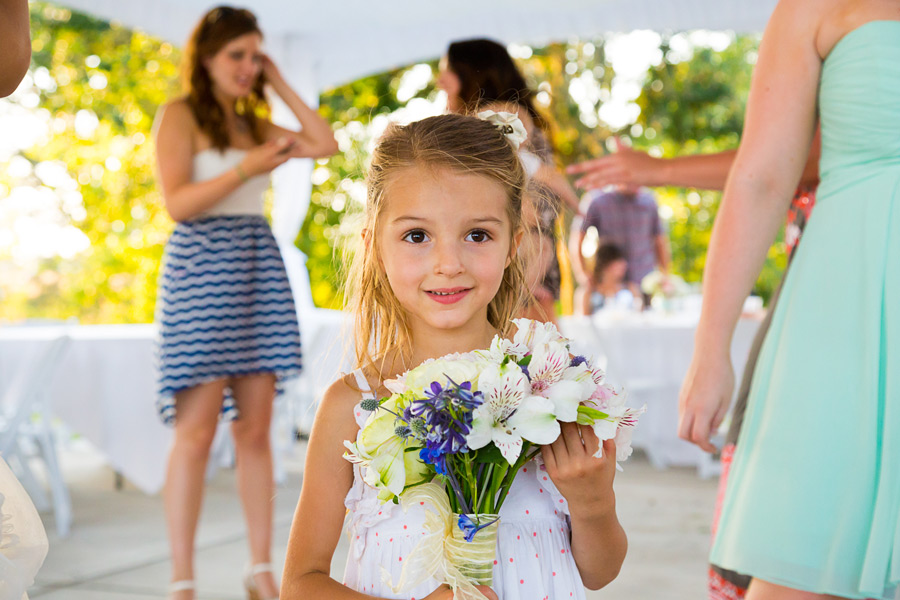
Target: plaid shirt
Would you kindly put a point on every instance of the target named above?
(630, 222)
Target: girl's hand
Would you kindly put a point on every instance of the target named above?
(267, 156)
(705, 396)
(584, 481)
(445, 593)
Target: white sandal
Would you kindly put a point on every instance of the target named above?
(181, 586)
(253, 592)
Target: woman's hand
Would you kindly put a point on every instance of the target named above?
(624, 167)
(705, 396)
(445, 593)
(584, 481)
(270, 70)
(269, 155)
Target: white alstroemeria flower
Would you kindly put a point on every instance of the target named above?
(534, 333)
(502, 347)
(509, 414)
(458, 367)
(553, 377)
(509, 125)
(619, 417)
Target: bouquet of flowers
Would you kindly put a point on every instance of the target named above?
(456, 430)
(667, 286)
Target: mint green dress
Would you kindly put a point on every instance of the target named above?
(813, 498)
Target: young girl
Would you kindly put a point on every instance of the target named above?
(437, 272)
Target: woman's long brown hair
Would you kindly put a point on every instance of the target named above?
(218, 27)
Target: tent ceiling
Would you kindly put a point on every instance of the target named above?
(346, 39)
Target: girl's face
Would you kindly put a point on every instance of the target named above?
(449, 82)
(235, 68)
(615, 271)
(444, 241)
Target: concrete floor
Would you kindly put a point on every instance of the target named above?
(117, 548)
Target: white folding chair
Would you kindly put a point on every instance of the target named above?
(26, 430)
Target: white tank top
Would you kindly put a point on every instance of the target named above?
(246, 199)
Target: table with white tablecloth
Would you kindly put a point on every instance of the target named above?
(104, 387)
(648, 354)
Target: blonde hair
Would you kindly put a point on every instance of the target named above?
(461, 143)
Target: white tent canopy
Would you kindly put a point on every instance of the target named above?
(324, 43)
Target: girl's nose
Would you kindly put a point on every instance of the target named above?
(447, 259)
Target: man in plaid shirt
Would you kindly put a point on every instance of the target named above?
(629, 218)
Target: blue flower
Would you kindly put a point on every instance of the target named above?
(470, 528)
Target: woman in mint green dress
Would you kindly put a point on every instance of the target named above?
(812, 507)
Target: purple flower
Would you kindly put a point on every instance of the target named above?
(577, 361)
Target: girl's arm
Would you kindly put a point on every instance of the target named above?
(779, 127)
(317, 524)
(598, 540)
(174, 133)
(319, 518)
(316, 138)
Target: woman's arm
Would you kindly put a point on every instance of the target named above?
(316, 138)
(779, 126)
(15, 44)
(184, 198)
(704, 171)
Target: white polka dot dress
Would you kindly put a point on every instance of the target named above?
(534, 559)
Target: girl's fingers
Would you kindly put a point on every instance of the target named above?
(549, 457)
(572, 439)
(609, 449)
(591, 441)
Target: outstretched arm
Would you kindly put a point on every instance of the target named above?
(780, 122)
(15, 44)
(632, 167)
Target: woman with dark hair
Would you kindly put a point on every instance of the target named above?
(479, 74)
(228, 325)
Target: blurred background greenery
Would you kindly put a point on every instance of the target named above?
(88, 177)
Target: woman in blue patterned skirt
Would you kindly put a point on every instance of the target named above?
(228, 325)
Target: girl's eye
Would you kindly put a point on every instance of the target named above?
(416, 236)
(478, 236)
(237, 55)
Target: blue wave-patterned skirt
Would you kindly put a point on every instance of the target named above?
(224, 309)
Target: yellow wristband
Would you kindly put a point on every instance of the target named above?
(241, 174)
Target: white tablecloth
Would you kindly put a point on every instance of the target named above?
(648, 354)
(104, 387)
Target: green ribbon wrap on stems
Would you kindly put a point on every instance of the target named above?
(443, 553)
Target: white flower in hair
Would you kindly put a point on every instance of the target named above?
(509, 125)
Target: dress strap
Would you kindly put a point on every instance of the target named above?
(363, 384)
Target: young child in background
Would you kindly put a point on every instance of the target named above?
(608, 286)
(437, 272)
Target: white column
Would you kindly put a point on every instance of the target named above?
(291, 182)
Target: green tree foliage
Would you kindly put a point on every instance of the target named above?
(97, 87)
